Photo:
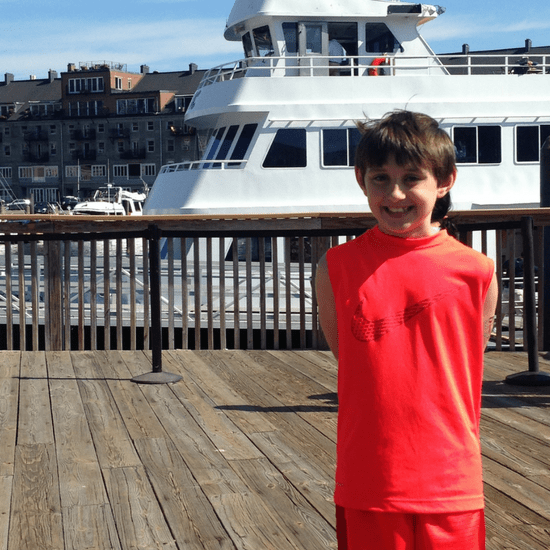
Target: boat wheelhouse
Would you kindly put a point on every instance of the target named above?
(277, 128)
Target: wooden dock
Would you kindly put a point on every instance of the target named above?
(237, 455)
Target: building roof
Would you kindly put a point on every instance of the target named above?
(23, 91)
(181, 83)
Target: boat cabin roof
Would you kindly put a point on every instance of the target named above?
(244, 10)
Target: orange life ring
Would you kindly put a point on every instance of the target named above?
(373, 71)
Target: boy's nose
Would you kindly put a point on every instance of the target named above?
(397, 191)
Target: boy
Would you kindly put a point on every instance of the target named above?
(407, 310)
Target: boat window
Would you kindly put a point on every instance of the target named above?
(247, 45)
(243, 143)
(227, 141)
(339, 146)
(478, 144)
(262, 39)
(288, 149)
(216, 140)
(290, 32)
(314, 38)
(215, 143)
(529, 140)
(379, 39)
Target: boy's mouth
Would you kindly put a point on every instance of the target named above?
(402, 210)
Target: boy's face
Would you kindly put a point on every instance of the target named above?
(402, 198)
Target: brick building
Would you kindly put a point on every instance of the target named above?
(96, 123)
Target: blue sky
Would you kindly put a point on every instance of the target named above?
(167, 35)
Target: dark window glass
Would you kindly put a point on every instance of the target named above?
(354, 139)
(490, 149)
(527, 148)
(290, 31)
(227, 141)
(215, 145)
(465, 140)
(314, 35)
(247, 45)
(335, 147)
(262, 39)
(288, 149)
(239, 152)
(544, 134)
(379, 39)
(339, 146)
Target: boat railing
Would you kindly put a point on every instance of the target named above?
(379, 65)
(212, 282)
(203, 165)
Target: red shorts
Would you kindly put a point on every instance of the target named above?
(366, 530)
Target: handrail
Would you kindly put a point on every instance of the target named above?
(395, 65)
(90, 277)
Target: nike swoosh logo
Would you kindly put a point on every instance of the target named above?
(368, 330)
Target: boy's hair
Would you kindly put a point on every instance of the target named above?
(410, 138)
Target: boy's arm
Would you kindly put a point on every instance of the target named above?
(489, 309)
(327, 307)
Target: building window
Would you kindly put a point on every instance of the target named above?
(25, 172)
(51, 172)
(101, 128)
(150, 125)
(120, 170)
(170, 146)
(288, 149)
(120, 146)
(478, 144)
(86, 85)
(99, 171)
(118, 83)
(53, 129)
(135, 106)
(101, 147)
(53, 149)
(151, 145)
(135, 127)
(5, 172)
(72, 171)
(148, 170)
(7, 150)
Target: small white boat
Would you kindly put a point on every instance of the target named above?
(112, 201)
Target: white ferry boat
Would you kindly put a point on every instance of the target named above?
(277, 128)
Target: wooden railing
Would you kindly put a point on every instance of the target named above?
(69, 282)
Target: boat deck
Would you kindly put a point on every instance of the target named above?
(237, 455)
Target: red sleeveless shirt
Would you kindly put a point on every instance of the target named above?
(410, 340)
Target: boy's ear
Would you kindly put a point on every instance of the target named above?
(359, 176)
(445, 186)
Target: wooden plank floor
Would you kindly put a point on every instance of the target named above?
(237, 455)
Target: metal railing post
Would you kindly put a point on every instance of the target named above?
(157, 376)
(532, 377)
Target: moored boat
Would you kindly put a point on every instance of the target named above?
(278, 127)
(112, 201)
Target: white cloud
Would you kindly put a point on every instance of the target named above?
(163, 46)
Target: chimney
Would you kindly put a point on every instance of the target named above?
(52, 75)
(193, 67)
(8, 77)
(528, 45)
(465, 49)
(71, 68)
(145, 69)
